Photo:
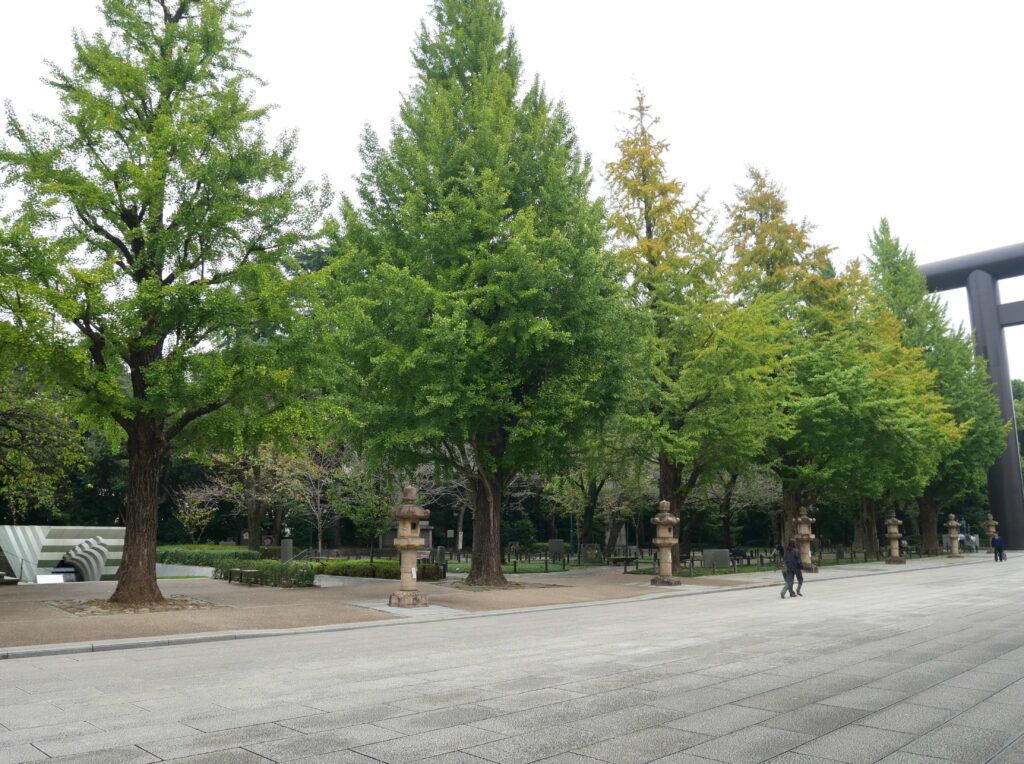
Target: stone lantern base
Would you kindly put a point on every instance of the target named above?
(895, 561)
(666, 581)
(408, 599)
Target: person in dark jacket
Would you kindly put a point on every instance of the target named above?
(792, 569)
(998, 548)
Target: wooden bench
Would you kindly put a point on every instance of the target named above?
(248, 576)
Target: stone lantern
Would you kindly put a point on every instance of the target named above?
(804, 537)
(954, 535)
(990, 524)
(892, 532)
(664, 522)
(407, 541)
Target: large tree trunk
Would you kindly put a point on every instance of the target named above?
(871, 528)
(254, 507)
(725, 510)
(485, 568)
(669, 479)
(592, 493)
(614, 529)
(688, 524)
(458, 528)
(136, 578)
(790, 511)
(929, 521)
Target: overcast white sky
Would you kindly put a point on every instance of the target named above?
(911, 110)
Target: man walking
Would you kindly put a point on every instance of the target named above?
(998, 547)
(794, 568)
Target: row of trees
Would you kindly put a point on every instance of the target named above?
(474, 312)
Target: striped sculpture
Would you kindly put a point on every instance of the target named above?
(31, 550)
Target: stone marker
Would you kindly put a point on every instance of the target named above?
(954, 535)
(804, 537)
(664, 522)
(592, 553)
(407, 542)
(287, 549)
(718, 558)
(892, 532)
(990, 524)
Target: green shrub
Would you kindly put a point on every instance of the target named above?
(425, 571)
(275, 572)
(270, 553)
(174, 555)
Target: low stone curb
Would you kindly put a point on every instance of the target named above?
(72, 648)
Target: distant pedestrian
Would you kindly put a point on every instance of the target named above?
(998, 548)
(793, 568)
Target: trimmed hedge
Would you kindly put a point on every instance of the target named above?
(275, 572)
(211, 556)
(425, 571)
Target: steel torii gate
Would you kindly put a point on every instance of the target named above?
(980, 273)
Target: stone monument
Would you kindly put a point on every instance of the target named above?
(892, 532)
(407, 542)
(804, 537)
(664, 522)
(990, 524)
(954, 535)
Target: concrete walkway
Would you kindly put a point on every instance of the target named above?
(909, 667)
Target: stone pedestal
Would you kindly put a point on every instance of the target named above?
(407, 542)
(954, 535)
(990, 525)
(287, 549)
(664, 522)
(892, 532)
(804, 537)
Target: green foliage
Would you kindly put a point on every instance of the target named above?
(208, 556)
(484, 323)
(363, 495)
(275, 573)
(425, 571)
(959, 376)
(148, 259)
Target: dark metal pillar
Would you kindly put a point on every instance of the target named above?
(1005, 490)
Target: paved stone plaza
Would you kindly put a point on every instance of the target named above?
(920, 665)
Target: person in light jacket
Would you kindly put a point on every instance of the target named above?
(794, 567)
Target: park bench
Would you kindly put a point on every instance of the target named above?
(631, 556)
(248, 576)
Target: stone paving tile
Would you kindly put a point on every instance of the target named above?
(247, 718)
(528, 683)
(531, 699)
(908, 717)
(792, 757)
(980, 680)
(814, 719)
(216, 741)
(1012, 755)
(345, 718)
(432, 720)
(455, 757)
(856, 744)
(866, 698)
(28, 734)
(681, 682)
(351, 757)
(780, 701)
(903, 757)
(230, 756)
(65, 745)
(737, 669)
(692, 701)
(600, 684)
(1013, 694)
(872, 669)
(42, 714)
(627, 720)
(643, 746)
(920, 677)
(436, 700)
(721, 720)
(415, 747)
(124, 755)
(961, 744)
(947, 696)
(749, 745)
(16, 754)
(537, 745)
(562, 758)
(992, 716)
(757, 683)
(317, 743)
